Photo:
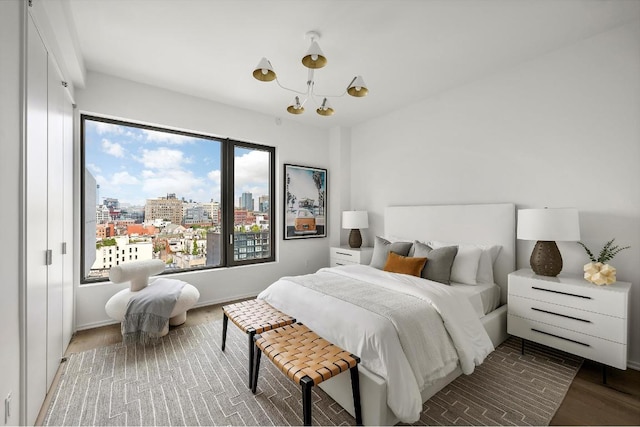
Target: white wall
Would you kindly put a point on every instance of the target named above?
(294, 143)
(559, 131)
(11, 17)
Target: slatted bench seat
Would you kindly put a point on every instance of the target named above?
(253, 317)
(308, 360)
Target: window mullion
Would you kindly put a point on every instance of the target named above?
(227, 200)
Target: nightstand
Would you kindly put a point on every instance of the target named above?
(345, 255)
(570, 314)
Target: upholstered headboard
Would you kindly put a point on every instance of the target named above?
(484, 224)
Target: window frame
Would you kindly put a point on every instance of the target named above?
(227, 184)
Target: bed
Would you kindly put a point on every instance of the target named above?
(395, 376)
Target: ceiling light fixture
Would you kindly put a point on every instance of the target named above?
(313, 59)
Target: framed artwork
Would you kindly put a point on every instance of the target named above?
(305, 202)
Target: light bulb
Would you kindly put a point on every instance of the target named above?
(358, 88)
(265, 71)
(314, 57)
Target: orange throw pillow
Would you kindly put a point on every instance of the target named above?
(404, 264)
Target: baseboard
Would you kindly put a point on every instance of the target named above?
(95, 325)
(199, 304)
(633, 365)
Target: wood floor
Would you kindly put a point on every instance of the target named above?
(588, 401)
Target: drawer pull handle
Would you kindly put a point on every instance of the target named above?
(558, 336)
(559, 292)
(343, 253)
(337, 263)
(561, 315)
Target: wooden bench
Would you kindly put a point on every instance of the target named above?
(253, 317)
(308, 360)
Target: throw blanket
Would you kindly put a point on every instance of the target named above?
(148, 311)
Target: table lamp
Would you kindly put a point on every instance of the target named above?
(547, 226)
(355, 220)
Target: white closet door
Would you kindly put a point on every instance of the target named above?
(67, 258)
(55, 219)
(36, 224)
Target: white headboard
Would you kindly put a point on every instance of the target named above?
(490, 224)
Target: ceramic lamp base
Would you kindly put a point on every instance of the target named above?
(355, 238)
(546, 259)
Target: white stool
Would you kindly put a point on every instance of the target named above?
(137, 273)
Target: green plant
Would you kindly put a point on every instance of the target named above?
(607, 253)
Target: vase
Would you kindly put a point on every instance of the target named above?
(599, 273)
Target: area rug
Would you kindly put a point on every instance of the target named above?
(186, 379)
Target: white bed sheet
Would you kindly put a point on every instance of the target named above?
(484, 298)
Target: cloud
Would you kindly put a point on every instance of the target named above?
(124, 178)
(112, 148)
(214, 176)
(148, 174)
(102, 128)
(167, 137)
(181, 182)
(252, 171)
(162, 158)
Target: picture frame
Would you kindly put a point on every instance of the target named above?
(305, 202)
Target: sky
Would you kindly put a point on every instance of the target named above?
(133, 164)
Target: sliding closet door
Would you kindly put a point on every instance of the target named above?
(36, 224)
(55, 221)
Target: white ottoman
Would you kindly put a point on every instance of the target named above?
(138, 273)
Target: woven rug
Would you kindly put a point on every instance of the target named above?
(186, 379)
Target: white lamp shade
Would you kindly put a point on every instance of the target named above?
(357, 87)
(264, 71)
(559, 224)
(315, 57)
(355, 219)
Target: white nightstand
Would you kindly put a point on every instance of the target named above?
(345, 255)
(571, 314)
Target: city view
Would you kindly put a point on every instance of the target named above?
(156, 195)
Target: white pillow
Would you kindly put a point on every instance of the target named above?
(465, 264)
(487, 258)
(485, 265)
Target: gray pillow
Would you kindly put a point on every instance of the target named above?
(439, 261)
(381, 249)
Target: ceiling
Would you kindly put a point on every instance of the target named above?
(406, 50)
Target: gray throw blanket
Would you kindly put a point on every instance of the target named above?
(148, 311)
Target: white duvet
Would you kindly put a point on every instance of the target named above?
(409, 331)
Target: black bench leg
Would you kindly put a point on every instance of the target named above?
(355, 388)
(225, 321)
(306, 383)
(256, 366)
(251, 334)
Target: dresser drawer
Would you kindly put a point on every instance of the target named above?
(585, 322)
(336, 262)
(587, 346)
(346, 256)
(586, 296)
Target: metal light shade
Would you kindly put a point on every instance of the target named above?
(355, 220)
(264, 71)
(325, 109)
(548, 226)
(357, 87)
(314, 57)
(296, 108)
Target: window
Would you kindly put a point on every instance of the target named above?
(191, 200)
